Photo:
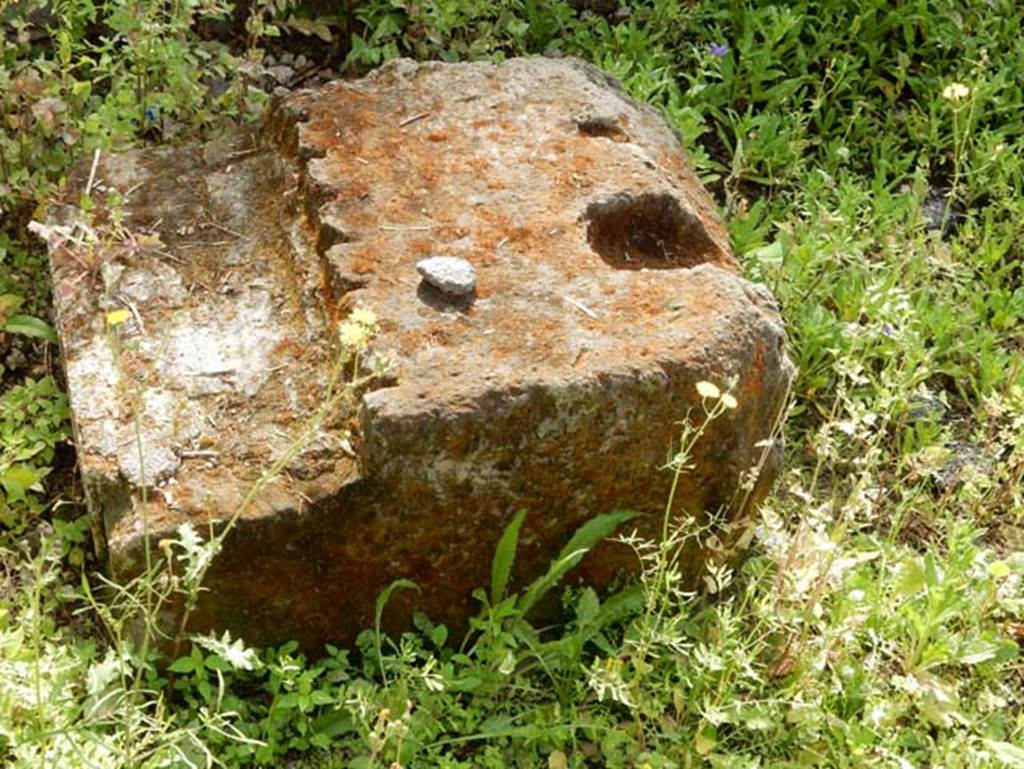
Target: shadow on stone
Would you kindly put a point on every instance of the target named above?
(442, 302)
(646, 231)
(601, 126)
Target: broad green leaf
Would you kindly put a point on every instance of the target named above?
(587, 607)
(495, 725)
(999, 569)
(466, 684)
(586, 536)
(439, 635)
(334, 724)
(770, 255)
(1006, 752)
(625, 603)
(705, 740)
(8, 304)
(183, 665)
(504, 557)
(216, 662)
(19, 479)
(980, 650)
(319, 27)
(28, 325)
(910, 577)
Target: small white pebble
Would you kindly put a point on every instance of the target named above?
(449, 274)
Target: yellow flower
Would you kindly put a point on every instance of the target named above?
(955, 91)
(117, 317)
(708, 390)
(353, 335)
(999, 569)
(364, 316)
(729, 401)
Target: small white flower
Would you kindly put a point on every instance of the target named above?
(708, 390)
(955, 92)
(364, 317)
(353, 335)
(847, 426)
(234, 652)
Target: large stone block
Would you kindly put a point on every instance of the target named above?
(605, 290)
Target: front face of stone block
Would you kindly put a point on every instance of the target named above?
(604, 292)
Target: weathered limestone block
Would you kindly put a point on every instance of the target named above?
(199, 338)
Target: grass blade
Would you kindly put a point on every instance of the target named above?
(382, 601)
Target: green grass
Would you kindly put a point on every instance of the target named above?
(878, 619)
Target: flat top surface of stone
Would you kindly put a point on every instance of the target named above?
(574, 205)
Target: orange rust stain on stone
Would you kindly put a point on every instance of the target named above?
(755, 381)
(357, 188)
(476, 164)
(289, 346)
(421, 247)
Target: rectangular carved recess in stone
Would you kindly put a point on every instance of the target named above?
(604, 291)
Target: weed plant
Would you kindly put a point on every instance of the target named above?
(867, 158)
